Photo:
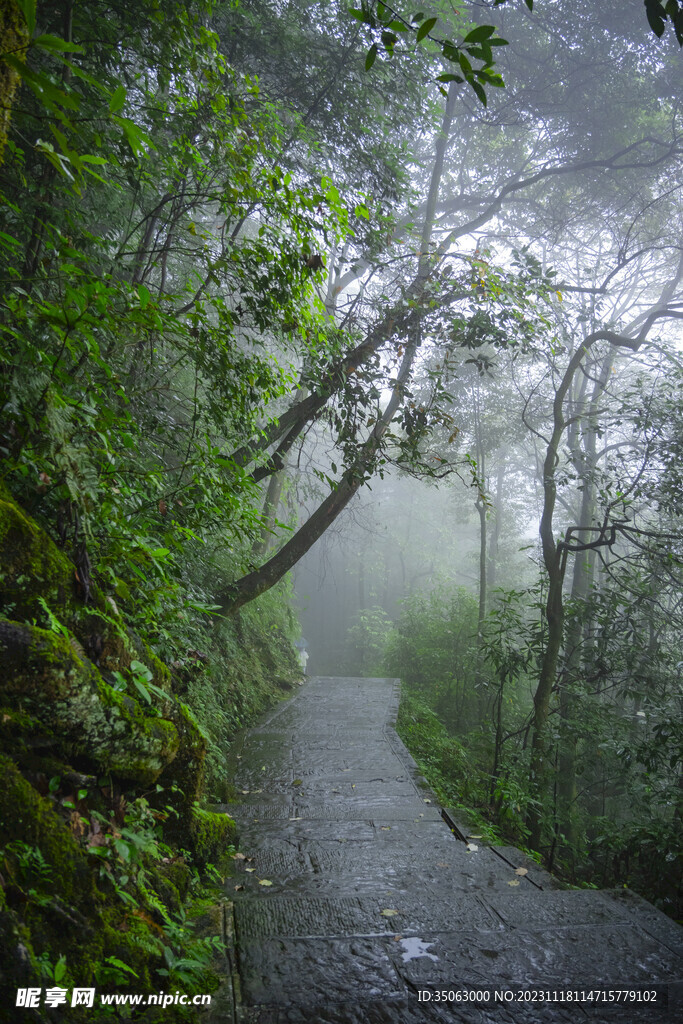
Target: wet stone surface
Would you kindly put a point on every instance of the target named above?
(358, 905)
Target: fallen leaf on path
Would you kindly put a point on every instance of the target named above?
(238, 887)
(521, 871)
(250, 870)
(475, 837)
(295, 819)
(238, 856)
(388, 913)
(298, 782)
(472, 847)
(264, 881)
(515, 881)
(425, 801)
(385, 828)
(442, 864)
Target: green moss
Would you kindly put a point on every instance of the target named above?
(211, 834)
(251, 666)
(13, 37)
(68, 907)
(31, 567)
(85, 717)
(54, 917)
(186, 773)
(30, 818)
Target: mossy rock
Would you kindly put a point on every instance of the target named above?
(185, 776)
(83, 716)
(30, 818)
(212, 834)
(32, 567)
(67, 887)
(68, 913)
(171, 882)
(35, 573)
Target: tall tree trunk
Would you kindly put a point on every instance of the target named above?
(492, 564)
(481, 614)
(541, 767)
(585, 463)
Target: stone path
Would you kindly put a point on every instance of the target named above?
(358, 899)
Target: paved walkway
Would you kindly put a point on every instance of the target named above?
(358, 899)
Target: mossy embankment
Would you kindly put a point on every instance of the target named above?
(446, 764)
(109, 757)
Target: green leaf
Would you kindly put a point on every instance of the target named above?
(121, 966)
(425, 28)
(142, 690)
(479, 91)
(122, 848)
(479, 34)
(482, 53)
(56, 44)
(141, 670)
(46, 91)
(144, 296)
(28, 9)
(60, 970)
(654, 14)
(364, 16)
(118, 98)
(370, 59)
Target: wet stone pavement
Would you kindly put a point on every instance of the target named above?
(361, 906)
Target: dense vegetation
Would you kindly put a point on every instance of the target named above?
(254, 257)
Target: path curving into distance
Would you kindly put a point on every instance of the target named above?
(370, 900)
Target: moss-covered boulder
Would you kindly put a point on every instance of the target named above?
(48, 889)
(39, 584)
(82, 715)
(212, 836)
(55, 903)
(32, 568)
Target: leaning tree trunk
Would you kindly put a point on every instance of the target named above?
(262, 579)
(271, 504)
